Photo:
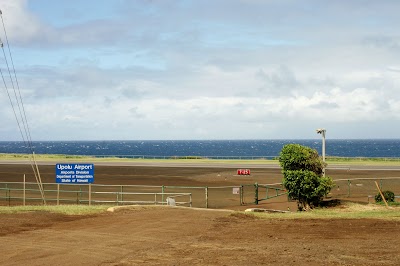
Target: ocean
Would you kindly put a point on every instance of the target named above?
(207, 148)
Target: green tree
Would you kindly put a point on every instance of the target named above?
(303, 178)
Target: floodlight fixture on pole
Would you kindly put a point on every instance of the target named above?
(322, 131)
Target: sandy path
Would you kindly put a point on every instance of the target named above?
(171, 236)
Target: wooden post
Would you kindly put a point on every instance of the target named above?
(122, 195)
(241, 195)
(58, 194)
(348, 185)
(90, 194)
(24, 190)
(162, 195)
(256, 193)
(380, 192)
(6, 187)
(80, 194)
(9, 197)
(206, 190)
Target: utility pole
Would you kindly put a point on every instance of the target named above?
(322, 131)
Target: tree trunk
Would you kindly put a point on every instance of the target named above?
(303, 206)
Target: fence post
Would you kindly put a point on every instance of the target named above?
(241, 195)
(206, 190)
(162, 194)
(122, 195)
(80, 194)
(380, 184)
(24, 190)
(256, 193)
(5, 189)
(90, 194)
(348, 185)
(8, 192)
(58, 194)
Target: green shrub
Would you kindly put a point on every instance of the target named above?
(302, 176)
(299, 157)
(389, 196)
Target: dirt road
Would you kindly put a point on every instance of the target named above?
(174, 236)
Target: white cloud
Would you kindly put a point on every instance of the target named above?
(22, 25)
(231, 69)
(206, 116)
(394, 108)
(394, 68)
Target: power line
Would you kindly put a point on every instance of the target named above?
(11, 102)
(22, 113)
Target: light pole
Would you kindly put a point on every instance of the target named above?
(322, 131)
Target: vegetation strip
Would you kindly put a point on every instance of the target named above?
(193, 159)
(346, 210)
(63, 209)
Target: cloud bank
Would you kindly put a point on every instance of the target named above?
(204, 69)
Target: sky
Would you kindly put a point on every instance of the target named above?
(198, 69)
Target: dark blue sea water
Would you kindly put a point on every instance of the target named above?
(206, 148)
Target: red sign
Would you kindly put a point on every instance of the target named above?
(243, 171)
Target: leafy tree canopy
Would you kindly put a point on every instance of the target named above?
(298, 157)
(302, 175)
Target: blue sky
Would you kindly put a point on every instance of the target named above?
(223, 69)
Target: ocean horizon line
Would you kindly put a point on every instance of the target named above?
(271, 139)
(210, 148)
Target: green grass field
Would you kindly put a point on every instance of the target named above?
(63, 209)
(346, 210)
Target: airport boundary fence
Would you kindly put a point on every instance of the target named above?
(364, 189)
(28, 193)
(21, 193)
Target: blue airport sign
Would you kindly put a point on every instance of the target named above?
(72, 173)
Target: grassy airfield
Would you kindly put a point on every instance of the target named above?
(192, 159)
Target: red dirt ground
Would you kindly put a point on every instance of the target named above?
(183, 236)
(176, 236)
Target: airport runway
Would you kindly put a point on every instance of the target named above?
(211, 164)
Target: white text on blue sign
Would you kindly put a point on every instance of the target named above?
(75, 173)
